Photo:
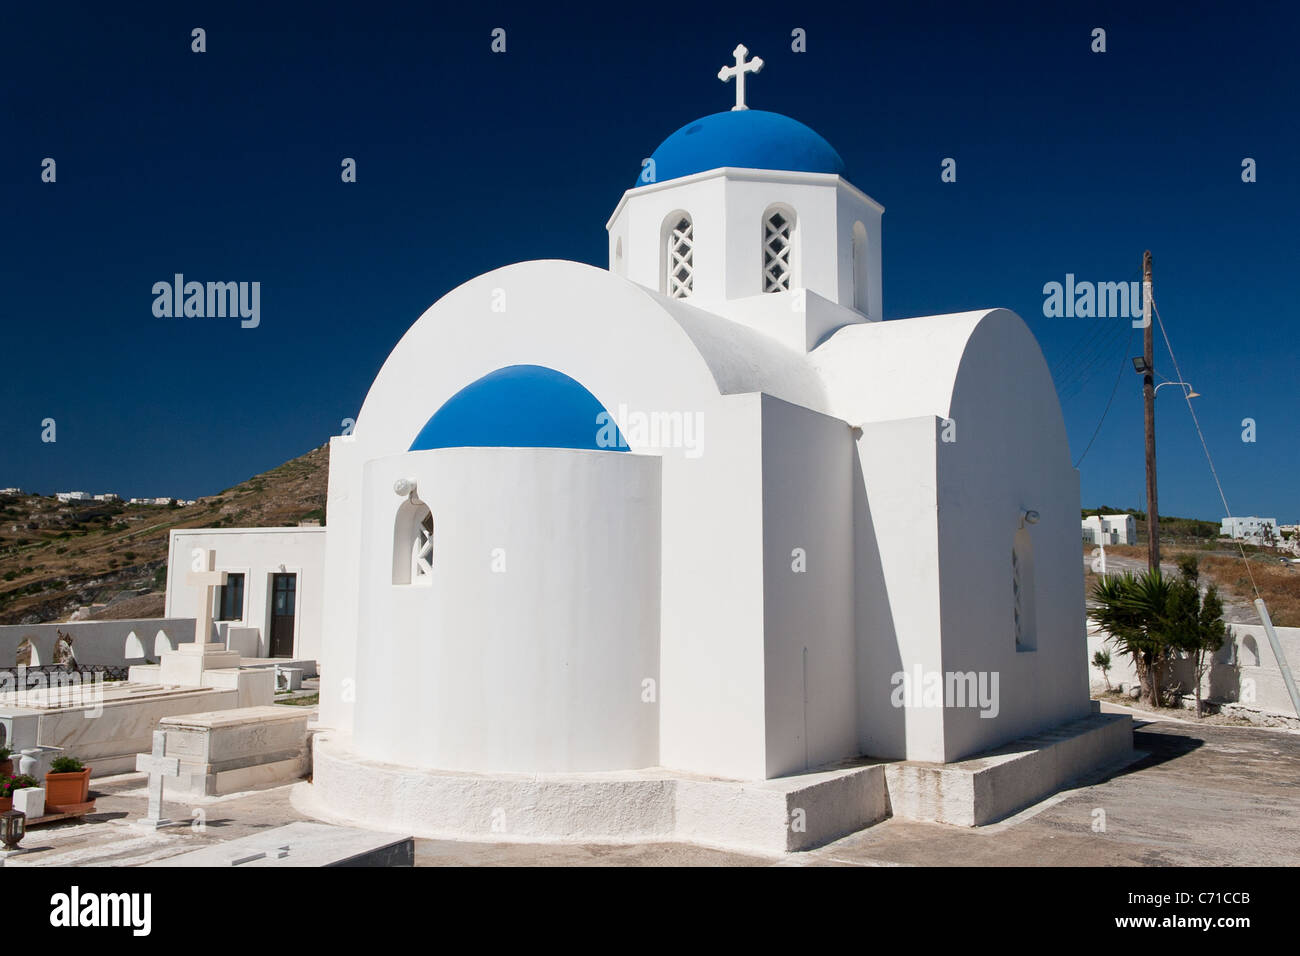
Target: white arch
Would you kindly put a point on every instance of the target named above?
(162, 641)
(1250, 649)
(134, 649)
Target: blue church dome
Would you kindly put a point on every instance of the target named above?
(521, 406)
(749, 139)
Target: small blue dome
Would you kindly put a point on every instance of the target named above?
(748, 139)
(521, 406)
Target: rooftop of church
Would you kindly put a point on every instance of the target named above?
(744, 139)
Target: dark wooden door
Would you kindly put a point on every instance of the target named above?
(284, 602)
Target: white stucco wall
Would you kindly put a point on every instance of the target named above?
(809, 676)
(895, 529)
(530, 647)
(1010, 455)
(257, 553)
(937, 517)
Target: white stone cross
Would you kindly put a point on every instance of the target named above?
(158, 767)
(738, 71)
(201, 574)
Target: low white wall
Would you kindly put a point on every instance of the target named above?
(529, 647)
(98, 643)
(1243, 671)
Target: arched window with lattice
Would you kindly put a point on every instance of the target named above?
(413, 544)
(861, 269)
(679, 255)
(778, 249)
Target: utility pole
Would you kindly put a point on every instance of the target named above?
(1149, 401)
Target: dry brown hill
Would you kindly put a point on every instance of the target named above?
(57, 557)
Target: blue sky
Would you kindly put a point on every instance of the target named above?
(225, 166)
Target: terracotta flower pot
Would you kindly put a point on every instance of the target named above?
(66, 789)
(6, 804)
(7, 767)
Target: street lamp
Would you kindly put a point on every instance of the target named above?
(1141, 365)
(1190, 392)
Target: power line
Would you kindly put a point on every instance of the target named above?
(1084, 376)
(1123, 364)
(1201, 435)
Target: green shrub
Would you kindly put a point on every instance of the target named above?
(66, 765)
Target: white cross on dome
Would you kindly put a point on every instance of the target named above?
(738, 71)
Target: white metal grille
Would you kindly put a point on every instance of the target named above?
(681, 258)
(422, 552)
(777, 233)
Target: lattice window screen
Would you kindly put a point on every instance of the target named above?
(422, 552)
(778, 232)
(681, 259)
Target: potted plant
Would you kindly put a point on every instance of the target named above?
(6, 762)
(9, 784)
(67, 783)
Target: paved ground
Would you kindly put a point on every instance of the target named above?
(1216, 796)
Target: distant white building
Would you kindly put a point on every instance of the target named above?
(1251, 529)
(1110, 529)
(11, 491)
(74, 496)
(108, 496)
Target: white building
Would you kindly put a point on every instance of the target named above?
(702, 510)
(11, 491)
(1251, 529)
(272, 601)
(109, 496)
(66, 496)
(1110, 529)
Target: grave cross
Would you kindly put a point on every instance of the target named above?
(202, 574)
(738, 71)
(158, 767)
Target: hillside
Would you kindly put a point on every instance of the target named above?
(57, 557)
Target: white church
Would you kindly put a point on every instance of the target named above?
(604, 541)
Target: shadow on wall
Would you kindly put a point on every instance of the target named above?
(882, 728)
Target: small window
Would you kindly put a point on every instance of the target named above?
(861, 269)
(679, 256)
(230, 599)
(413, 544)
(778, 249)
(1024, 620)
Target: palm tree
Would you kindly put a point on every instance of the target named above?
(1132, 611)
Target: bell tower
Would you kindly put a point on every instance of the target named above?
(747, 214)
